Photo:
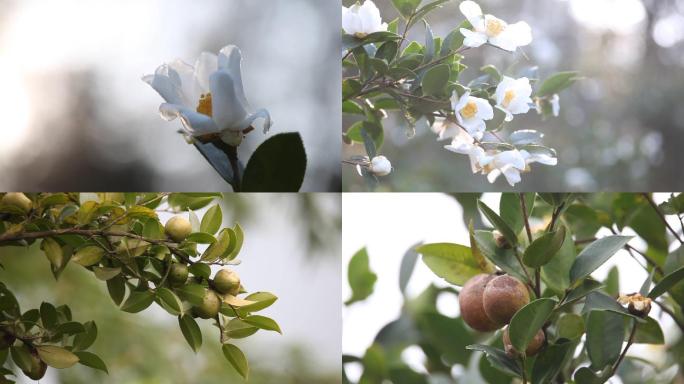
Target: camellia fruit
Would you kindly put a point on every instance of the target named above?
(18, 200)
(471, 303)
(503, 296)
(178, 274)
(532, 348)
(38, 367)
(211, 303)
(227, 281)
(178, 228)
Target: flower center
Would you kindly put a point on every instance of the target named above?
(204, 106)
(508, 97)
(360, 35)
(494, 27)
(469, 111)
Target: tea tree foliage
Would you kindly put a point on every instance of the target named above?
(551, 244)
(119, 238)
(421, 81)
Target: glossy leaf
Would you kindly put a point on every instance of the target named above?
(498, 223)
(237, 359)
(408, 263)
(88, 256)
(556, 83)
(91, 360)
(453, 262)
(528, 321)
(549, 362)
(595, 254)
(666, 283)
(263, 322)
(361, 278)
(544, 248)
(169, 301)
(190, 331)
(56, 357)
(605, 333)
(570, 326)
(498, 359)
(138, 301)
(277, 165)
(212, 219)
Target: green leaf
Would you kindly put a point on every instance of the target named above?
(649, 332)
(201, 238)
(192, 201)
(666, 283)
(498, 223)
(263, 322)
(211, 221)
(48, 315)
(427, 8)
(453, 262)
(373, 130)
(262, 300)
(498, 358)
(219, 248)
(361, 278)
(277, 165)
(549, 362)
(106, 273)
(352, 42)
(605, 333)
(408, 263)
(236, 242)
(21, 356)
(511, 209)
(595, 254)
(406, 7)
(89, 255)
(570, 326)
(238, 329)
(502, 257)
(544, 248)
(435, 80)
(557, 83)
(86, 339)
(612, 281)
(585, 375)
(193, 293)
(56, 357)
(200, 270)
(237, 359)
(138, 301)
(190, 331)
(117, 289)
(454, 40)
(528, 321)
(91, 360)
(169, 301)
(53, 251)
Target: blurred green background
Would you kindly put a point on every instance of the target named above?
(292, 251)
(620, 129)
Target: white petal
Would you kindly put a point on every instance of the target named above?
(370, 17)
(230, 58)
(472, 11)
(512, 175)
(259, 114)
(501, 89)
(184, 73)
(165, 86)
(194, 123)
(484, 109)
(513, 158)
(351, 23)
(519, 105)
(227, 108)
(458, 104)
(473, 39)
(520, 33)
(206, 64)
(475, 126)
(493, 175)
(555, 105)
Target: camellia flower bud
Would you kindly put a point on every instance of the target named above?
(178, 228)
(18, 200)
(637, 304)
(380, 166)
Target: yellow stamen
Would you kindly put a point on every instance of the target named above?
(494, 27)
(469, 110)
(204, 106)
(508, 97)
(360, 35)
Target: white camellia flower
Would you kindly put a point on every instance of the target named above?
(538, 158)
(507, 163)
(513, 96)
(471, 112)
(362, 20)
(445, 128)
(380, 166)
(208, 98)
(492, 30)
(464, 144)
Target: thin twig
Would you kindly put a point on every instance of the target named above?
(624, 351)
(662, 217)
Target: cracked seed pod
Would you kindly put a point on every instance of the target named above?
(471, 304)
(503, 297)
(637, 304)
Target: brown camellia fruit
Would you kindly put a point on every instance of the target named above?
(6, 339)
(38, 367)
(470, 302)
(18, 200)
(178, 228)
(227, 281)
(532, 348)
(178, 274)
(503, 296)
(210, 306)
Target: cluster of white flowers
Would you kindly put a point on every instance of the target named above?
(468, 130)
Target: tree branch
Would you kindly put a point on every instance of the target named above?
(662, 217)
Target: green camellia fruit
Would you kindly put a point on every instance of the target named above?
(211, 303)
(38, 367)
(470, 302)
(532, 348)
(18, 200)
(227, 281)
(178, 274)
(6, 339)
(503, 297)
(178, 228)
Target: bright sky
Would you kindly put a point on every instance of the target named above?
(388, 224)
